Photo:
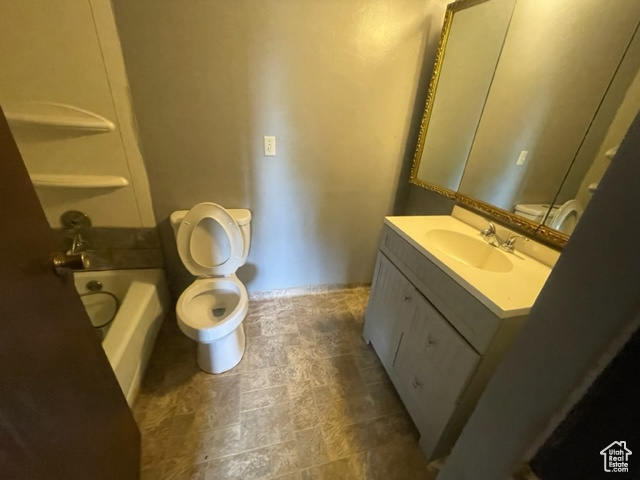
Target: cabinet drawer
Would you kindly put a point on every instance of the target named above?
(433, 365)
(476, 323)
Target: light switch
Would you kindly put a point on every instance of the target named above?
(521, 158)
(269, 146)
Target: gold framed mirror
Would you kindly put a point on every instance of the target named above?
(525, 100)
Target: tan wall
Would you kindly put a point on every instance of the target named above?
(334, 81)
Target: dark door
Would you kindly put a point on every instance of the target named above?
(62, 413)
(608, 413)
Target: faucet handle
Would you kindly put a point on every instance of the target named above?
(77, 245)
(509, 242)
(489, 231)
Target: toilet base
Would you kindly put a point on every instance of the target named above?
(223, 354)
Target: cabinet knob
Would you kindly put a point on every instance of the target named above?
(416, 383)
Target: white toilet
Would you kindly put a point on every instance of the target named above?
(562, 218)
(212, 243)
(536, 212)
(567, 217)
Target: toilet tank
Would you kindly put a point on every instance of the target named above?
(534, 211)
(242, 216)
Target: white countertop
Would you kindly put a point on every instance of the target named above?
(507, 294)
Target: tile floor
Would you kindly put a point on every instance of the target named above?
(309, 400)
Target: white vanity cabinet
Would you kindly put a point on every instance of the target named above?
(438, 343)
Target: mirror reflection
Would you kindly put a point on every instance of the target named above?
(473, 46)
(562, 93)
(618, 109)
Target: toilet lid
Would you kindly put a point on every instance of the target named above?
(209, 241)
(567, 216)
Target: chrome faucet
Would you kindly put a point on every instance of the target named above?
(507, 245)
(491, 237)
(78, 245)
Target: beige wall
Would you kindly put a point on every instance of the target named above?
(334, 81)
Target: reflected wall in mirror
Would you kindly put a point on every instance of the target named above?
(467, 56)
(556, 66)
(556, 87)
(618, 109)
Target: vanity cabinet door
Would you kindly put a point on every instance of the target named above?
(391, 305)
(433, 365)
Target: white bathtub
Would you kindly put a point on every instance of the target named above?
(144, 300)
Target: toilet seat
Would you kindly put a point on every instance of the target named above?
(195, 308)
(567, 216)
(195, 238)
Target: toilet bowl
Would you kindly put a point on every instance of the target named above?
(212, 243)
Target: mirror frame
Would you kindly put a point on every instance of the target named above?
(539, 231)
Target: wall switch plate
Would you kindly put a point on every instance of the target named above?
(521, 158)
(269, 146)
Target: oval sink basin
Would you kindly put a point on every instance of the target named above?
(470, 251)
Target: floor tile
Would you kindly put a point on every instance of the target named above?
(373, 375)
(345, 439)
(265, 352)
(332, 344)
(184, 471)
(343, 372)
(157, 411)
(290, 476)
(153, 446)
(304, 414)
(279, 325)
(311, 370)
(365, 357)
(219, 406)
(266, 462)
(266, 397)
(401, 460)
(350, 468)
(255, 380)
(311, 448)
(309, 400)
(354, 409)
(265, 426)
(218, 443)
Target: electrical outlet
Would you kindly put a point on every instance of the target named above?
(269, 146)
(521, 158)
